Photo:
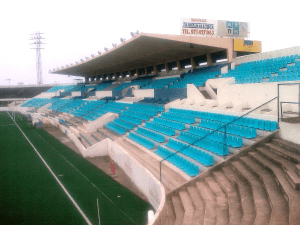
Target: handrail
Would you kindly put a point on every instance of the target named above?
(281, 111)
(160, 162)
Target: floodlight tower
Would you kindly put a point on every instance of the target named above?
(37, 40)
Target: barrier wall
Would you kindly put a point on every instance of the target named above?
(103, 94)
(261, 92)
(143, 93)
(141, 177)
(76, 93)
(193, 93)
(289, 132)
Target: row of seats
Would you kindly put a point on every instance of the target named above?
(213, 146)
(183, 164)
(160, 128)
(130, 119)
(243, 121)
(36, 102)
(176, 117)
(176, 145)
(169, 123)
(141, 140)
(115, 128)
(151, 134)
(157, 108)
(253, 72)
(124, 124)
(136, 115)
(246, 132)
(202, 157)
(148, 112)
(161, 83)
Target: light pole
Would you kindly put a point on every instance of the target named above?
(36, 39)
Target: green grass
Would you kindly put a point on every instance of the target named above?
(29, 194)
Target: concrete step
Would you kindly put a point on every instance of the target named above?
(170, 220)
(280, 211)
(288, 166)
(277, 159)
(287, 145)
(84, 142)
(199, 205)
(210, 213)
(234, 204)
(222, 201)
(298, 169)
(292, 195)
(97, 136)
(245, 193)
(188, 208)
(261, 201)
(179, 210)
(283, 152)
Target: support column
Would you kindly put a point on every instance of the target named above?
(193, 64)
(146, 71)
(209, 59)
(167, 68)
(86, 79)
(137, 72)
(179, 68)
(155, 69)
(229, 55)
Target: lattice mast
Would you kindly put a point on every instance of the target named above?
(37, 40)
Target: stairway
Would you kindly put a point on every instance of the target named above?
(259, 187)
(205, 94)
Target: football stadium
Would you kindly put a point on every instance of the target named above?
(200, 127)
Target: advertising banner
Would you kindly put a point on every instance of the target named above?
(198, 27)
(214, 28)
(241, 45)
(233, 29)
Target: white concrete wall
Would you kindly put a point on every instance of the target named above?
(103, 94)
(224, 69)
(260, 93)
(193, 94)
(76, 94)
(215, 83)
(2, 109)
(143, 93)
(267, 55)
(140, 176)
(289, 132)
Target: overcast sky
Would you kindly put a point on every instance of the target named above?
(75, 29)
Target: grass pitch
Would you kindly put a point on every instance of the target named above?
(29, 194)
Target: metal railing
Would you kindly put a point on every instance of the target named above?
(279, 104)
(213, 131)
(281, 111)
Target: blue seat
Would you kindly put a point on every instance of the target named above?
(274, 126)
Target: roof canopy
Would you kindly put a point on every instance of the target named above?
(144, 50)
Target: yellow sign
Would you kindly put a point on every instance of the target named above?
(241, 45)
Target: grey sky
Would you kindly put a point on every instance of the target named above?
(75, 29)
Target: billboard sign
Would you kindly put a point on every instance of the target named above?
(214, 28)
(241, 45)
(198, 27)
(233, 29)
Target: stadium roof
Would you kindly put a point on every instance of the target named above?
(145, 50)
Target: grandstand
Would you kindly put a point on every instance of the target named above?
(213, 131)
